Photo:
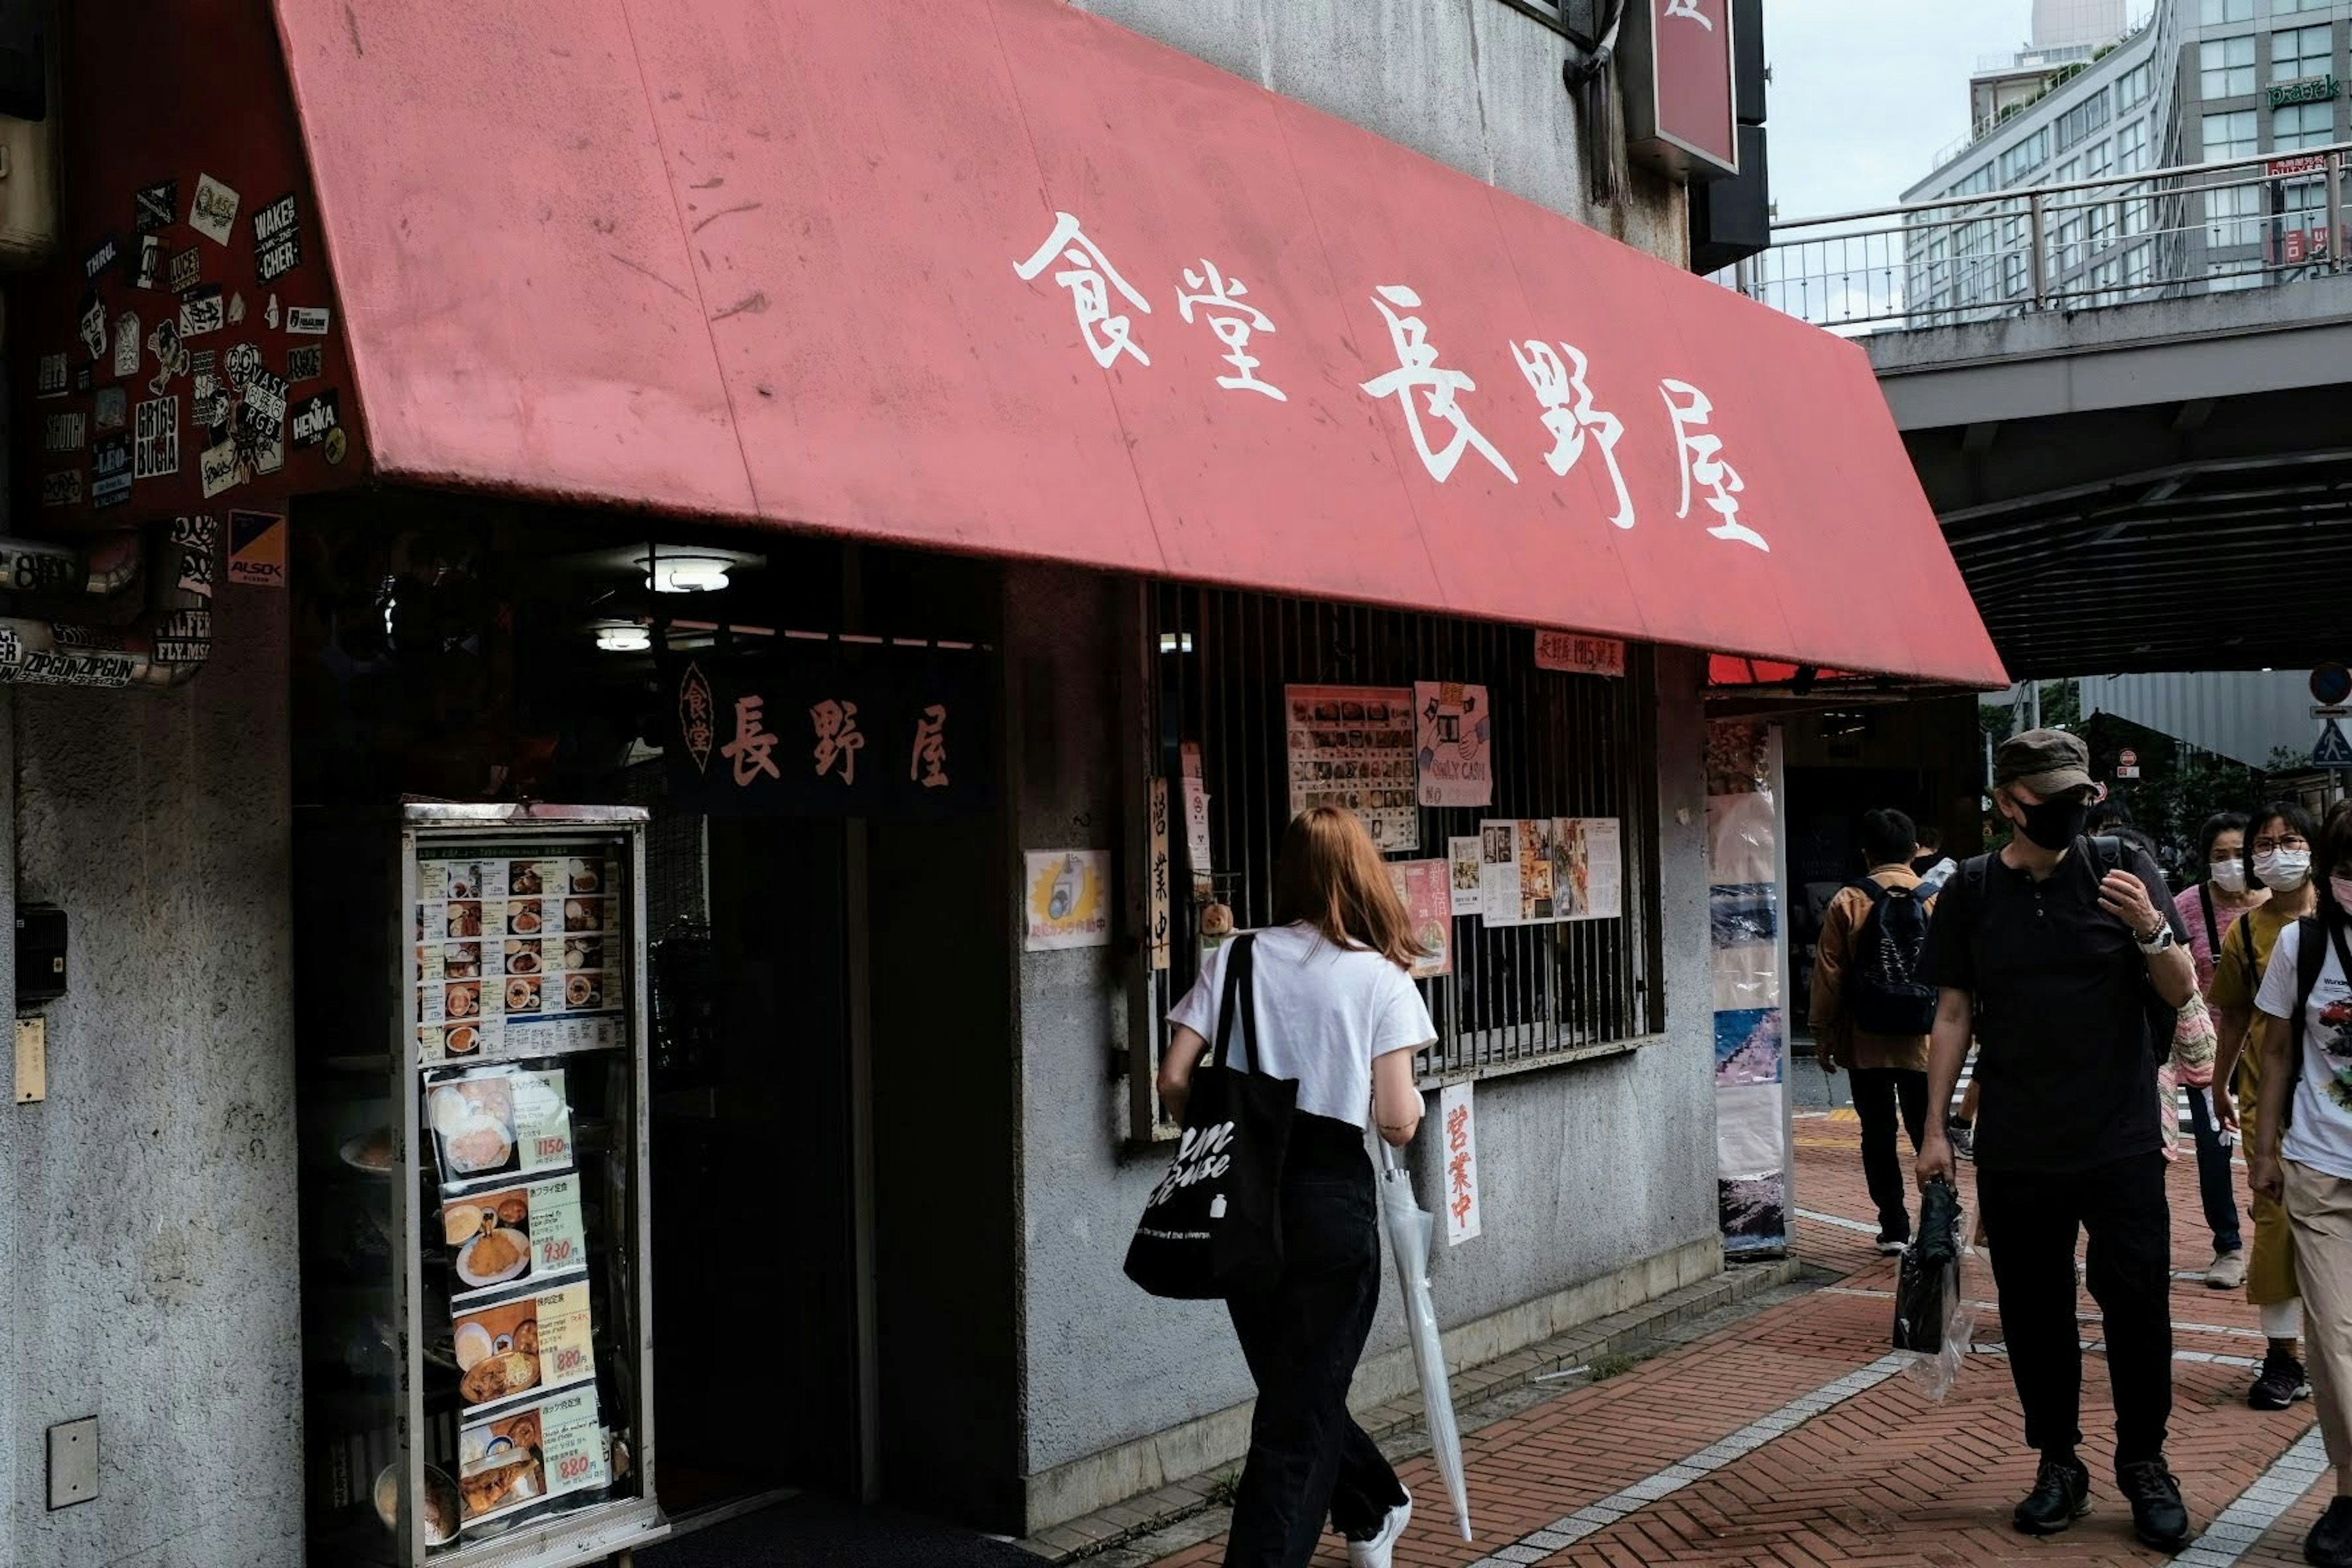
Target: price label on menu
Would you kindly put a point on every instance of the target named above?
(565, 1353)
(543, 1122)
(558, 1240)
(571, 1443)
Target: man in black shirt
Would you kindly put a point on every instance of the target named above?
(2062, 963)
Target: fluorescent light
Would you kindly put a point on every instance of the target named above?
(1175, 642)
(624, 638)
(685, 574)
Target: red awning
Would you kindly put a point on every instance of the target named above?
(1003, 276)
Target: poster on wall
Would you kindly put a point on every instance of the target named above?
(1352, 746)
(1066, 901)
(1196, 823)
(1426, 887)
(1462, 858)
(1457, 1119)
(1454, 744)
(1159, 910)
(1543, 871)
(1752, 1166)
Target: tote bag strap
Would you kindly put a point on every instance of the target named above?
(1240, 996)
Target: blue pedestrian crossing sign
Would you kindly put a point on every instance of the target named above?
(2334, 751)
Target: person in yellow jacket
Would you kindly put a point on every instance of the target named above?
(2280, 835)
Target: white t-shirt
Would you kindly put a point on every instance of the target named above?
(2319, 1134)
(1324, 1011)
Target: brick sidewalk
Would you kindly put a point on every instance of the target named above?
(1785, 1442)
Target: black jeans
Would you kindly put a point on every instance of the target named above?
(2032, 1220)
(2216, 1184)
(1876, 1092)
(1307, 1454)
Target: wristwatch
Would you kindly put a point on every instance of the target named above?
(2160, 941)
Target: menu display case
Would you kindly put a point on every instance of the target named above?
(477, 1268)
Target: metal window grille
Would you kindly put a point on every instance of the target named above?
(1565, 745)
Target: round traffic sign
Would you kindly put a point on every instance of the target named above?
(2331, 684)
(2129, 759)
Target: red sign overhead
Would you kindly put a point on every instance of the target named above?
(1007, 278)
(1681, 110)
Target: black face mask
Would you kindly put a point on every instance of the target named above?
(2054, 824)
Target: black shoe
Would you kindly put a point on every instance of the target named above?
(2158, 1516)
(1962, 1137)
(2061, 1494)
(2283, 1383)
(2329, 1544)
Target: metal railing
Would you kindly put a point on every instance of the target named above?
(2122, 238)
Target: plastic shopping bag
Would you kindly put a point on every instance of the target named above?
(1934, 1317)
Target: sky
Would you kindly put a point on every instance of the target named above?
(1865, 92)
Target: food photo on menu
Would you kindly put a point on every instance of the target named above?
(498, 1122)
(524, 1343)
(544, 1450)
(530, 1231)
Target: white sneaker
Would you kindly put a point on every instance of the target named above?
(1381, 1548)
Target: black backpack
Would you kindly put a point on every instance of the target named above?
(1884, 996)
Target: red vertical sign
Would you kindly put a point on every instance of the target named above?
(1681, 114)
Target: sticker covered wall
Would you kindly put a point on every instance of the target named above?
(1752, 1166)
(186, 208)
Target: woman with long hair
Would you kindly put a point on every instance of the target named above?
(1337, 1012)
(2303, 1160)
(2210, 908)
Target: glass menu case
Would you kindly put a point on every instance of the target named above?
(477, 1379)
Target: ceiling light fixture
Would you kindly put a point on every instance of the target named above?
(624, 636)
(685, 574)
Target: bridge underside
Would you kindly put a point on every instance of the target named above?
(2158, 487)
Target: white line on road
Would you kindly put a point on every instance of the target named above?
(2258, 1507)
(1844, 1223)
(1563, 1533)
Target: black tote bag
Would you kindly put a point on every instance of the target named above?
(1213, 1228)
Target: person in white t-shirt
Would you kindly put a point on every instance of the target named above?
(2303, 1160)
(1337, 1012)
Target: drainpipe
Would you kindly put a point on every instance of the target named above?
(164, 647)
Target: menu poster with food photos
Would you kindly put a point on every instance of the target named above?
(494, 1124)
(531, 1232)
(513, 1460)
(1352, 746)
(518, 957)
(525, 1345)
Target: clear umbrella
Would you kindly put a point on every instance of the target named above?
(1411, 1230)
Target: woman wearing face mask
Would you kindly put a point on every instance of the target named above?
(2209, 909)
(2281, 835)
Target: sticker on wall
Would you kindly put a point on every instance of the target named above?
(93, 326)
(277, 240)
(336, 444)
(186, 636)
(62, 488)
(257, 549)
(158, 439)
(156, 206)
(101, 256)
(64, 432)
(111, 410)
(56, 377)
(268, 456)
(213, 406)
(1067, 898)
(144, 263)
(126, 344)
(240, 364)
(218, 467)
(265, 403)
(109, 471)
(214, 212)
(84, 379)
(187, 269)
(307, 320)
(307, 363)
(170, 356)
(270, 315)
(203, 310)
(316, 417)
(236, 310)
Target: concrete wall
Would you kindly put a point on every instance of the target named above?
(1468, 83)
(147, 1207)
(1587, 1170)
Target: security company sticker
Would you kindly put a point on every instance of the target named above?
(145, 262)
(93, 326)
(216, 465)
(109, 471)
(64, 432)
(62, 488)
(110, 409)
(307, 320)
(314, 416)
(214, 212)
(307, 363)
(158, 443)
(126, 344)
(102, 256)
(257, 549)
(156, 206)
(202, 310)
(277, 240)
(56, 378)
(187, 269)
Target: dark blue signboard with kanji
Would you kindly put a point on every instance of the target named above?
(832, 729)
